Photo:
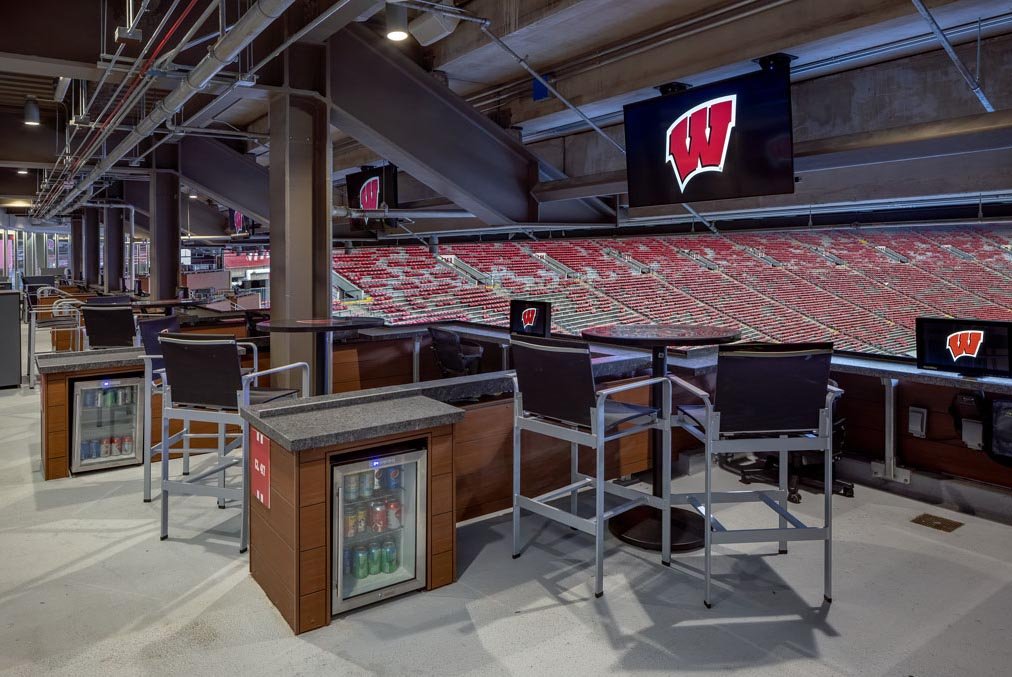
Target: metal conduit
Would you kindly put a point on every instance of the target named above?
(251, 24)
(947, 46)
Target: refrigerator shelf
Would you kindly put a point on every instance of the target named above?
(368, 584)
(385, 495)
(370, 536)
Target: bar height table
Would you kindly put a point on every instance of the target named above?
(642, 526)
(323, 329)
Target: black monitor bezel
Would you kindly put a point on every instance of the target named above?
(546, 308)
(962, 371)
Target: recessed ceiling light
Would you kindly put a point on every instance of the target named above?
(22, 171)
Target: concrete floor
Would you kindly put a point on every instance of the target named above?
(86, 588)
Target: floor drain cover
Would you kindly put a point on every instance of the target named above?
(936, 522)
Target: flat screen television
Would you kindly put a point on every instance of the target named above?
(968, 347)
(728, 139)
(530, 318)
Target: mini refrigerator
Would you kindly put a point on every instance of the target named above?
(107, 421)
(379, 525)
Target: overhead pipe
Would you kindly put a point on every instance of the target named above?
(973, 82)
(223, 52)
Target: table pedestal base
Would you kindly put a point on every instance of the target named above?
(642, 527)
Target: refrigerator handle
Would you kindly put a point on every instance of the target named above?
(337, 554)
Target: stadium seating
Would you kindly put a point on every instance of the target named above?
(860, 288)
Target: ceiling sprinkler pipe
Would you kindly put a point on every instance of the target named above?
(223, 52)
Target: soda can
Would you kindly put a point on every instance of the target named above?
(350, 488)
(115, 446)
(393, 477)
(128, 395)
(85, 450)
(377, 517)
(106, 447)
(346, 560)
(375, 558)
(120, 396)
(360, 568)
(361, 515)
(88, 399)
(128, 445)
(94, 449)
(389, 564)
(394, 514)
(350, 525)
(365, 486)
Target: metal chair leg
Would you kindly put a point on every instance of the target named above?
(516, 491)
(784, 481)
(244, 525)
(574, 468)
(221, 458)
(165, 471)
(599, 522)
(828, 544)
(666, 495)
(186, 447)
(708, 525)
(146, 404)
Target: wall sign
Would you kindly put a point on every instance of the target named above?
(260, 467)
(728, 139)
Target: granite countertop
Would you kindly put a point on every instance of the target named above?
(343, 422)
(851, 364)
(86, 360)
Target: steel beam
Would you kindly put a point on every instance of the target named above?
(91, 245)
(163, 222)
(112, 258)
(229, 177)
(300, 235)
(76, 245)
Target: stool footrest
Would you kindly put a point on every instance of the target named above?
(553, 513)
(562, 491)
(770, 535)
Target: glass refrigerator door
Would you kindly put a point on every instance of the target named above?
(107, 424)
(379, 529)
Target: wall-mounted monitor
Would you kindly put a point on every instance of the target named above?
(968, 347)
(530, 318)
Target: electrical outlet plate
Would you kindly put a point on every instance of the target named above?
(973, 434)
(917, 421)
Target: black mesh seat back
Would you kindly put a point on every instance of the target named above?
(763, 387)
(448, 351)
(555, 377)
(109, 326)
(150, 329)
(202, 369)
(108, 301)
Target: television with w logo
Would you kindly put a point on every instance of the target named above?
(728, 139)
(373, 189)
(968, 347)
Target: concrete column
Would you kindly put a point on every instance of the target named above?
(91, 245)
(300, 210)
(163, 220)
(113, 253)
(76, 245)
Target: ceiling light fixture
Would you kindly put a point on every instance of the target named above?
(31, 112)
(22, 171)
(397, 22)
(193, 196)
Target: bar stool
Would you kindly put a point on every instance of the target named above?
(554, 395)
(109, 326)
(204, 382)
(768, 397)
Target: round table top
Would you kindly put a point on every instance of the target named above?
(654, 335)
(321, 325)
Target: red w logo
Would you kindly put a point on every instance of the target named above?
(965, 343)
(369, 194)
(697, 141)
(528, 317)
